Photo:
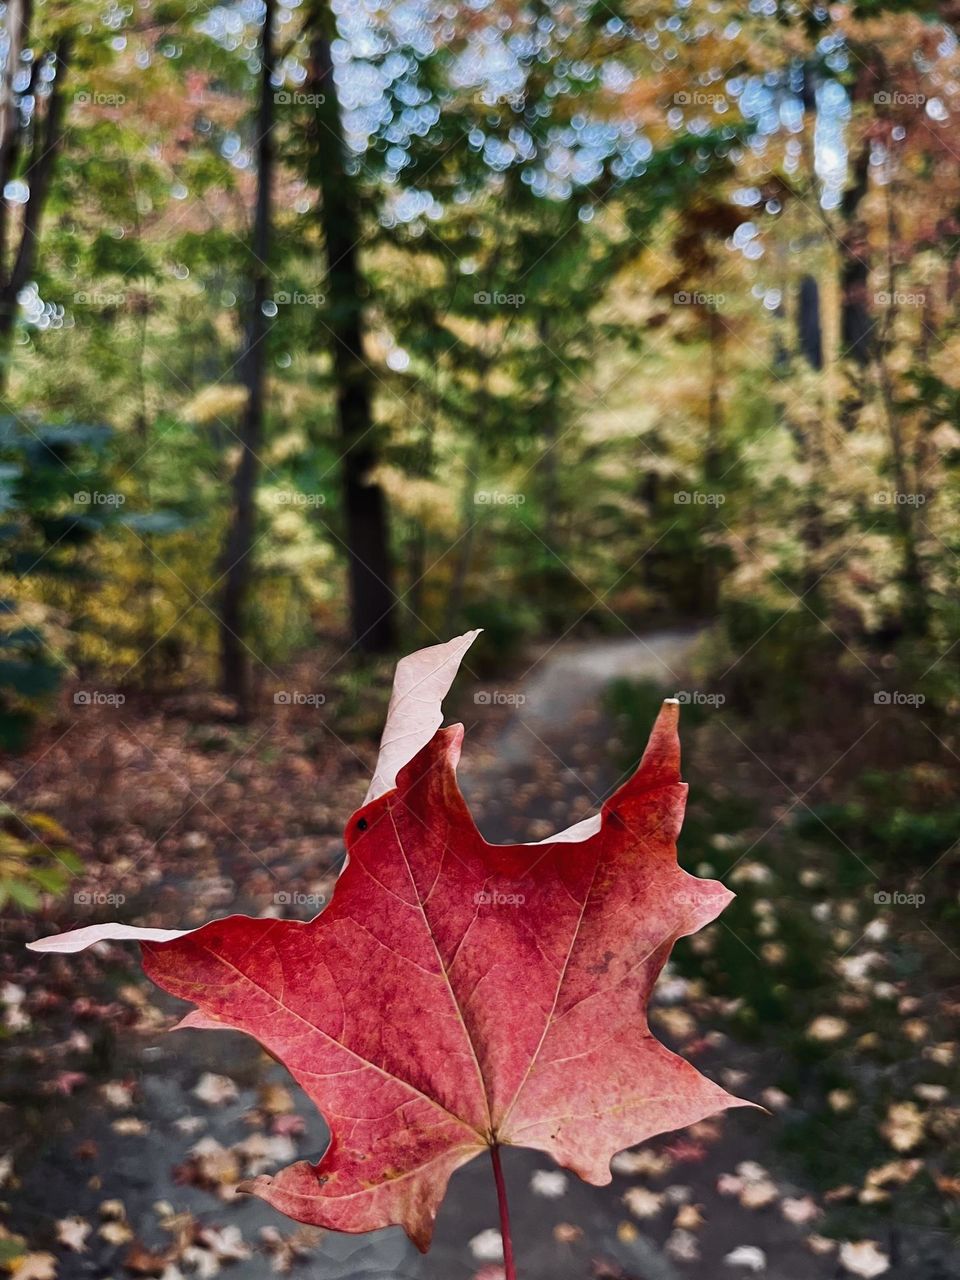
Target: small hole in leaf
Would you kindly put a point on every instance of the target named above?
(361, 824)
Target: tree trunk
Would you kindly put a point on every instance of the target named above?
(372, 599)
(855, 315)
(916, 613)
(916, 617)
(549, 410)
(237, 565)
(809, 329)
(47, 143)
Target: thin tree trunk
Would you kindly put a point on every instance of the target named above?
(855, 319)
(237, 562)
(47, 144)
(710, 576)
(549, 410)
(916, 614)
(809, 329)
(372, 599)
(468, 516)
(914, 595)
(855, 314)
(17, 26)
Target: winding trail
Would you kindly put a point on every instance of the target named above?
(570, 679)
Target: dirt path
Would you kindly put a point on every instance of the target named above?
(568, 681)
(79, 1150)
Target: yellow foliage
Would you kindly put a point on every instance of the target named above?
(220, 402)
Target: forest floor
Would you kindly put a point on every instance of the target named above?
(123, 1146)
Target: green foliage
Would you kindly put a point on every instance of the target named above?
(562, 443)
(35, 858)
(49, 516)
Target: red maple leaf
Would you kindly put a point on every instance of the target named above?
(456, 995)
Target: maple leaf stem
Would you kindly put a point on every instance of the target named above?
(509, 1270)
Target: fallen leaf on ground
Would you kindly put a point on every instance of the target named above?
(275, 1099)
(747, 1256)
(895, 1173)
(34, 1266)
(800, 1210)
(677, 1193)
(683, 1151)
(287, 1126)
(931, 1092)
(863, 1258)
(903, 1127)
(487, 1246)
(115, 1233)
(642, 1202)
(549, 1183)
(872, 1195)
(215, 1090)
(775, 1099)
(72, 1233)
(566, 1233)
(689, 1218)
(226, 1243)
(119, 1094)
(682, 1246)
(638, 1163)
(827, 1028)
(189, 1124)
(130, 1126)
(821, 1245)
(261, 1151)
(140, 1261)
(841, 1194)
(210, 1165)
(66, 1082)
(286, 1251)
